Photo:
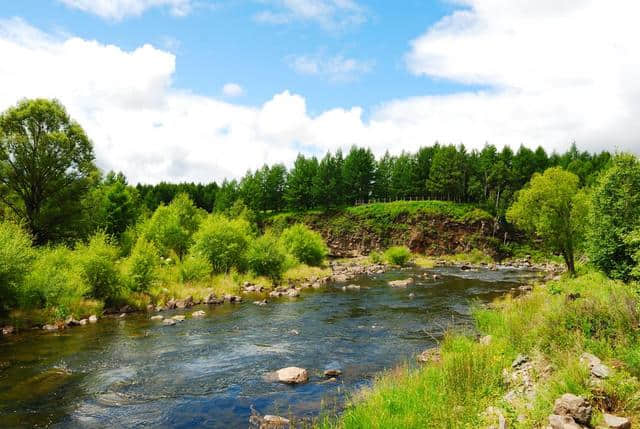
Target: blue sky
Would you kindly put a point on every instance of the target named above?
(206, 89)
(222, 42)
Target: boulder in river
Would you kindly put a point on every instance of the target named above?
(292, 375)
(168, 322)
(50, 327)
(293, 293)
(93, 319)
(179, 318)
(402, 283)
(8, 330)
(83, 322)
(334, 372)
(157, 318)
(352, 287)
(198, 313)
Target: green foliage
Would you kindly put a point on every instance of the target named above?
(299, 192)
(397, 255)
(116, 205)
(54, 282)
(46, 167)
(97, 266)
(142, 264)
(223, 242)
(614, 216)
(171, 227)
(195, 268)
(358, 172)
(307, 246)
(266, 257)
(376, 257)
(552, 208)
(16, 257)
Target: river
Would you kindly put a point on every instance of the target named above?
(209, 372)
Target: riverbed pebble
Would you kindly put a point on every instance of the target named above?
(402, 283)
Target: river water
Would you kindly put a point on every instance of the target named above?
(209, 372)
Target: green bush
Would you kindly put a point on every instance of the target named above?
(307, 246)
(16, 256)
(171, 227)
(142, 265)
(195, 268)
(223, 242)
(398, 255)
(376, 257)
(98, 269)
(54, 282)
(266, 257)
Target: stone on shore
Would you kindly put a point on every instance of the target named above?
(50, 328)
(598, 369)
(157, 318)
(8, 330)
(563, 422)
(83, 322)
(574, 406)
(615, 422)
(93, 319)
(292, 375)
(179, 318)
(168, 322)
(429, 355)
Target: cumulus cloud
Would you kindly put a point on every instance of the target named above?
(331, 14)
(232, 90)
(119, 9)
(334, 69)
(555, 71)
(551, 91)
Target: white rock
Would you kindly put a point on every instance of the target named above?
(616, 422)
(179, 318)
(198, 313)
(402, 283)
(157, 317)
(93, 319)
(168, 322)
(292, 375)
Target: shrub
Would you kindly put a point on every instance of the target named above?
(98, 269)
(223, 242)
(54, 282)
(171, 227)
(398, 255)
(16, 256)
(142, 265)
(376, 257)
(266, 257)
(307, 246)
(195, 268)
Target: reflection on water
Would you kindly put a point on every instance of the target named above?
(208, 372)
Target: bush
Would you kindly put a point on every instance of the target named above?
(171, 227)
(195, 268)
(16, 256)
(376, 257)
(98, 269)
(307, 246)
(142, 265)
(223, 242)
(398, 255)
(54, 282)
(266, 257)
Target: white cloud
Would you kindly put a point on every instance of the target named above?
(331, 14)
(119, 9)
(144, 126)
(232, 90)
(335, 69)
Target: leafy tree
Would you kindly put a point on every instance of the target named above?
(327, 184)
(299, 193)
(266, 257)
(307, 246)
(142, 264)
(114, 204)
(359, 171)
(97, 266)
(614, 216)
(46, 167)
(551, 207)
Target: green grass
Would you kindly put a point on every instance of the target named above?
(457, 211)
(547, 325)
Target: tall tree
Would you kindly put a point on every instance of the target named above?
(359, 172)
(551, 207)
(46, 167)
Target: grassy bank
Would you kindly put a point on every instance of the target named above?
(553, 326)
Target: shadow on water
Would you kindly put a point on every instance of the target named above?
(208, 372)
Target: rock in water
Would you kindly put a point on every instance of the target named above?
(157, 317)
(8, 330)
(168, 322)
(332, 373)
(179, 318)
(198, 313)
(402, 283)
(93, 319)
(292, 375)
(573, 406)
(616, 422)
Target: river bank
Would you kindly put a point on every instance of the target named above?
(566, 337)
